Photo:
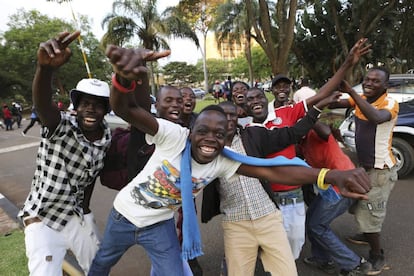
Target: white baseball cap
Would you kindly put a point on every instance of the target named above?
(93, 87)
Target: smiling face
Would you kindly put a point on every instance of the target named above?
(189, 100)
(239, 91)
(169, 104)
(90, 113)
(281, 91)
(257, 105)
(375, 84)
(208, 136)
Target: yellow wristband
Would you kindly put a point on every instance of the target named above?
(321, 179)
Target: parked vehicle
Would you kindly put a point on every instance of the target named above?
(114, 121)
(199, 93)
(267, 86)
(402, 142)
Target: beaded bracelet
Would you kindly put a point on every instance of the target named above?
(321, 179)
(121, 88)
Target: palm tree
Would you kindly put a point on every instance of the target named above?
(232, 25)
(139, 19)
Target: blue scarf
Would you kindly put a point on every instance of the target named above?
(191, 247)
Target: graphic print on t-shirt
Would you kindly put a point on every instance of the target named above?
(163, 187)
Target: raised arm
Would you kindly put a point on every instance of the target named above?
(352, 183)
(359, 49)
(129, 66)
(50, 56)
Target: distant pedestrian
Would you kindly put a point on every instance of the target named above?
(217, 91)
(16, 111)
(7, 117)
(33, 119)
(228, 86)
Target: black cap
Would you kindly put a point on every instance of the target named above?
(280, 77)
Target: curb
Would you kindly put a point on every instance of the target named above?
(8, 213)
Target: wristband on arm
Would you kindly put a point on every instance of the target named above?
(121, 88)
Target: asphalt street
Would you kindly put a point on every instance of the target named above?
(17, 159)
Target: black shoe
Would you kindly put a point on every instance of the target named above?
(326, 266)
(195, 267)
(359, 239)
(377, 262)
(361, 269)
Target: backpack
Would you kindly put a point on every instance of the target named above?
(124, 158)
(115, 171)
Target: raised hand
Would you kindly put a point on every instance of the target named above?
(131, 63)
(55, 51)
(345, 87)
(359, 49)
(332, 98)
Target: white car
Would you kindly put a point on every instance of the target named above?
(199, 93)
(114, 121)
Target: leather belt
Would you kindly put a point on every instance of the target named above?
(288, 197)
(28, 220)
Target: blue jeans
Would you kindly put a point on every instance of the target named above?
(325, 245)
(159, 241)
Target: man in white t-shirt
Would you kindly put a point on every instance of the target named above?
(143, 210)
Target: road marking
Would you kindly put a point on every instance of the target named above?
(19, 147)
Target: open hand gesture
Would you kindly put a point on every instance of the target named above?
(359, 49)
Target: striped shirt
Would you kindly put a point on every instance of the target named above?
(373, 141)
(66, 163)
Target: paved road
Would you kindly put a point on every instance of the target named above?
(17, 155)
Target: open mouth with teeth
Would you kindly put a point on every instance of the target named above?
(175, 114)
(188, 106)
(89, 121)
(206, 154)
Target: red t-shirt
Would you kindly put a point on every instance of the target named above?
(284, 116)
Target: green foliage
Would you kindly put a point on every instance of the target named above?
(326, 32)
(181, 73)
(217, 69)
(13, 259)
(20, 43)
(261, 65)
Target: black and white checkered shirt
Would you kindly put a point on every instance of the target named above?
(65, 164)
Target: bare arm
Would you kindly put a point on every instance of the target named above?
(353, 57)
(377, 116)
(130, 65)
(352, 183)
(50, 56)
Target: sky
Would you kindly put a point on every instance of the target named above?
(181, 49)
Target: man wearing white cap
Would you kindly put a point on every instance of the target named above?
(69, 159)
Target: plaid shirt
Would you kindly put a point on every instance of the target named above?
(242, 197)
(66, 163)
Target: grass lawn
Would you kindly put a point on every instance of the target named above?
(13, 259)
